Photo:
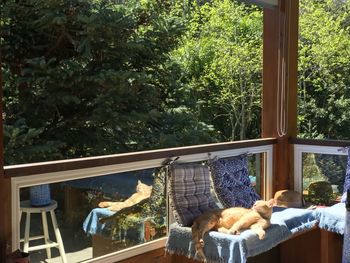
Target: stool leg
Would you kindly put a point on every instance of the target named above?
(26, 233)
(58, 237)
(46, 233)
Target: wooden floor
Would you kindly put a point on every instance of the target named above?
(314, 246)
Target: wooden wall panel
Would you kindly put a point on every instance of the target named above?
(304, 248)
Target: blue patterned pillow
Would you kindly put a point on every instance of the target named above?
(231, 182)
(189, 192)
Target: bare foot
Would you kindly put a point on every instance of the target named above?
(104, 204)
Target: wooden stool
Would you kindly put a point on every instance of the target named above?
(25, 207)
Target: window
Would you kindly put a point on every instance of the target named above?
(323, 69)
(136, 213)
(142, 221)
(323, 178)
(89, 79)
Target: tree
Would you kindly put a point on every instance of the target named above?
(324, 48)
(221, 56)
(85, 78)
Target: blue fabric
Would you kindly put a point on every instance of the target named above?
(232, 183)
(347, 180)
(332, 218)
(92, 225)
(296, 219)
(226, 248)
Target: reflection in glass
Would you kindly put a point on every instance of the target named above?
(133, 208)
(323, 178)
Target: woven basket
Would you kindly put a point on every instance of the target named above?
(40, 195)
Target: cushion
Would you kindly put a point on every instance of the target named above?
(189, 192)
(231, 181)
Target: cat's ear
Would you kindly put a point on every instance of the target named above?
(271, 202)
(138, 182)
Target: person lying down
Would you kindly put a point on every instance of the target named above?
(143, 191)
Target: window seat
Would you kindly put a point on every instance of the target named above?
(219, 247)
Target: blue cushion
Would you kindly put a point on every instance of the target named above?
(231, 182)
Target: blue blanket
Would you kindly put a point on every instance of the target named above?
(92, 224)
(332, 218)
(226, 248)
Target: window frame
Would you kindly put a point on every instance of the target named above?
(200, 153)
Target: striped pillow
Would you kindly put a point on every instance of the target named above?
(189, 192)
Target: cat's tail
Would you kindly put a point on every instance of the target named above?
(198, 241)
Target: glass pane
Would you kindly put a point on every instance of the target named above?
(323, 178)
(189, 74)
(323, 74)
(254, 168)
(132, 203)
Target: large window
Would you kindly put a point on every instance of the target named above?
(131, 202)
(92, 78)
(102, 77)
(324, 48)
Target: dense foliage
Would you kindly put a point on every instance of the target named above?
(324, 69)
(221, 57)
(94, 77)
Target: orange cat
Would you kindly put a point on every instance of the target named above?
(231, 221)
(143, 191)
(288, 198)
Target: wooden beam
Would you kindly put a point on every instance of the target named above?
(279, 110)
(80, 163)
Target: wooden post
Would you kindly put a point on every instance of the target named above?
(279, 110)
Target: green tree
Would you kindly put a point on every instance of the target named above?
(221, 57)
(324, 79)
(85, 78)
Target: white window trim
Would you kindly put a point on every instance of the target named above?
(299, 149)
(54, 177)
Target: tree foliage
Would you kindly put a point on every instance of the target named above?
(221, 57)
(91, 77)
(324, 79)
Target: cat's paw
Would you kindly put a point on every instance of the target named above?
(104, 204)
(201, 242)
(261, 235)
